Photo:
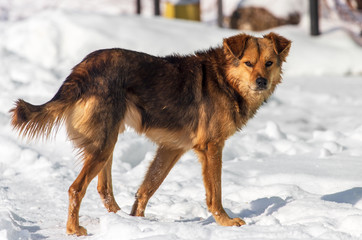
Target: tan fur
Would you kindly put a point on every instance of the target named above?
(133, 118)
(181, 103)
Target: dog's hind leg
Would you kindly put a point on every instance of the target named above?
(77, 191)
(93, 164)
(163, 162)
(105, 188)
(93, 126)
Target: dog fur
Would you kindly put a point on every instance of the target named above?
(179, 102)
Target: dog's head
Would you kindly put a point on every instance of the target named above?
(254, 65)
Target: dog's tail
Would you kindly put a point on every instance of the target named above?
(34, 121)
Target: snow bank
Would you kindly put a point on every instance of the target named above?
(293, 173)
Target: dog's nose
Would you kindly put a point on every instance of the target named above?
(261, 83)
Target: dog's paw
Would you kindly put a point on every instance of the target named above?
(237, 222)
(112, 207)
(79, 231)
(230, 222)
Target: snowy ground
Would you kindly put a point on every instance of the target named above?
(295, 172)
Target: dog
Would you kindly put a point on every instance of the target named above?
(179, 102)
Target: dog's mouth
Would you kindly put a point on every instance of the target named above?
(258, 90)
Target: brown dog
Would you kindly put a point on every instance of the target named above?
(179, 102)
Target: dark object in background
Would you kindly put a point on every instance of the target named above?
(314, 17)
(259, 19)
(220, 16)
(157, 7)
(156, 3)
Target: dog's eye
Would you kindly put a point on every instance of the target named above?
(248, 64)
(268, 63)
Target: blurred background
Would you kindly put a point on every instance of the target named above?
(42, 30)
(255, 15)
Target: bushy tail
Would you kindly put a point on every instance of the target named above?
(36, 121)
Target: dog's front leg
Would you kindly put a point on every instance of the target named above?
(163, 162)
(211, 160)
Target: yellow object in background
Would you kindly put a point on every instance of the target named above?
(190, 11)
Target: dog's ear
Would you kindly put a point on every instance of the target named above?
(281, 45)
(235, 45)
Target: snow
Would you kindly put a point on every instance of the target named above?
(294, 172)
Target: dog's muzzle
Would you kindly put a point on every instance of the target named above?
(261, 83)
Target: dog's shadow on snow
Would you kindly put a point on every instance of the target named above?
(351, 196)
(21, 224)
(262, 206)
(267, 206)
